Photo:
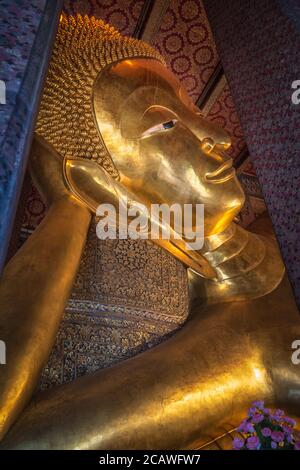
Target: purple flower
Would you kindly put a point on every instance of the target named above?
(287, 429)
(277, 415)
(251, 411)
(246, 426)
(283, 435)
(253, 443)
(259, 404)
(238, 443)
(289, 421)
(277, 436)
(266, 432)
(257, 418)
(241, 427)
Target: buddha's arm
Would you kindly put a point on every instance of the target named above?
(33, 291)
(177, 394)
(166, 398)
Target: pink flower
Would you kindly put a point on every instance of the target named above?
(253, 443)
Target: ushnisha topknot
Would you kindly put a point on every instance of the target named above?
(83, 47)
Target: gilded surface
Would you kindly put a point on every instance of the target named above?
(77, 58)
(113, 117)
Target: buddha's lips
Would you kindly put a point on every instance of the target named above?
(222, 174)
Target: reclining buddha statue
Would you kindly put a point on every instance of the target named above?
(115, 123)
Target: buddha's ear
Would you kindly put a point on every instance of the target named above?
(46, 170)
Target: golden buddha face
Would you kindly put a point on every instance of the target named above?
(163, 149)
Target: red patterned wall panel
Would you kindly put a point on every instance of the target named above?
(223, 113)
(259, 43)
(122, 14)
(186, 42)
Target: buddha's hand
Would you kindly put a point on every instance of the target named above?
(46, 169)
(83, 179)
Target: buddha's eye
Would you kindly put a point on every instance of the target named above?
(164, 126)
(169, 124)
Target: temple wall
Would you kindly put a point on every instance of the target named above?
(259, 46)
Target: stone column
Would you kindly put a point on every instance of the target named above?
(259, 46)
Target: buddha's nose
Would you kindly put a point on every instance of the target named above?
(207, 144)
(220, 162)
(211, 131)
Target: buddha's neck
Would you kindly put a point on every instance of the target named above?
(247, 265)
(234, 252)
